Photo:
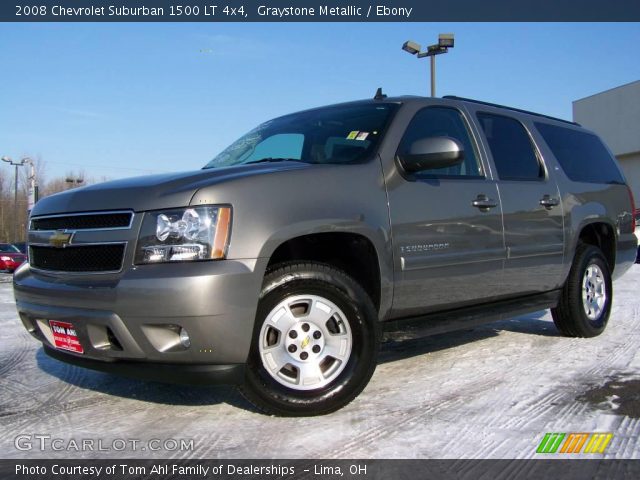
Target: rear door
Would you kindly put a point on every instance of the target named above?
(532, 211)
(446, 224)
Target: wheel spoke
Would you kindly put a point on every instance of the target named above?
(337, 348)
(309, 374)
(281, 319)
(275, 358)
(599, 285)
(320, 312)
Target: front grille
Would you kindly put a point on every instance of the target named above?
(83, 258)
(89, 221)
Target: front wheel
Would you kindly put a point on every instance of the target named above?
(585, 303)
(315, 342)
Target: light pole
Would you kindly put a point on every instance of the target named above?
(445, 42)
(22, 162)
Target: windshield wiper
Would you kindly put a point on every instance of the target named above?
(274, 159)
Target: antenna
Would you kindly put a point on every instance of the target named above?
(379, 95)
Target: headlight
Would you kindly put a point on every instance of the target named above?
(6, 259)
(197, 233)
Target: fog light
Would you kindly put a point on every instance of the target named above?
(184, 338)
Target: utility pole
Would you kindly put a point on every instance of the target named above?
(33, 188)
(21, 163)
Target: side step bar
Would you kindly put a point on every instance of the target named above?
(468, 317)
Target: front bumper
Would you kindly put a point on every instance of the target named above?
(127, 324)
(159, 372)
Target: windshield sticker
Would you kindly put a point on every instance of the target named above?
(352, 135)
(362, 136)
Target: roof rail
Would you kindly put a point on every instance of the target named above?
(453, 97)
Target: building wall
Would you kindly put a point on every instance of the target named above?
(615, 116)
(631, 166)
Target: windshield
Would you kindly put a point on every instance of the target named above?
(342, 134)
(8, 248)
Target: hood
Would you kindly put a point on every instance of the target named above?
(151, 192)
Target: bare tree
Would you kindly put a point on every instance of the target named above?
(46, 188)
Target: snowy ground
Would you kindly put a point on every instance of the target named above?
(488, 393)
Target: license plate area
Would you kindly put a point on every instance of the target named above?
(65, 336)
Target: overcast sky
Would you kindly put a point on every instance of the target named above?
(127, 99)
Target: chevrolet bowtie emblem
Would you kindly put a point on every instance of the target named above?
(61, 239)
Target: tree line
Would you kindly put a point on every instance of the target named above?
(46, 186)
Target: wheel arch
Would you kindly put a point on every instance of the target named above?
(599, 233)
(359, 251)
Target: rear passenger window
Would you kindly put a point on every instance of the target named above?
(582, 155)
(442, 122)
(511, 148)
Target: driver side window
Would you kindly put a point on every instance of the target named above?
(442, 122)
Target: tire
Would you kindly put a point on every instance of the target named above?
(322, 353)
(585, 303)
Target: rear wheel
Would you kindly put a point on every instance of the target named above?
(585, 304)
(315, 342)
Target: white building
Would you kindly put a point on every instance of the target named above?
(615, 116)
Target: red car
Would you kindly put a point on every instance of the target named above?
(10, 257)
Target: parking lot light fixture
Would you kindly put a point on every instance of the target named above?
(445, 42)
(73, 181)
(411, 47)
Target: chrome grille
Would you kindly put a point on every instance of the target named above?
(87, 242)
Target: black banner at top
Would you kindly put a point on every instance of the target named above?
(318, 10)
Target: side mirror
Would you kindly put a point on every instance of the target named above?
(431, 153)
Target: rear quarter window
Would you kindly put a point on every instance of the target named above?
(582, 155)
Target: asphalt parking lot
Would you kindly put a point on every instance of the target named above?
(492, 392)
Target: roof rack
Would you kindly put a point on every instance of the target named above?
(453, 97)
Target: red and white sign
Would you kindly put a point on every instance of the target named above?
(65, 336)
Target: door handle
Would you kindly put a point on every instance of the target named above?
(549, 202)
(484, 203)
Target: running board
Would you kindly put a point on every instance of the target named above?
(468, 317)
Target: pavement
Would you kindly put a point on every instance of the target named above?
(491, 392)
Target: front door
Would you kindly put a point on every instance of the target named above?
(446, 225)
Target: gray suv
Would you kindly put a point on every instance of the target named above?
(281, 263)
